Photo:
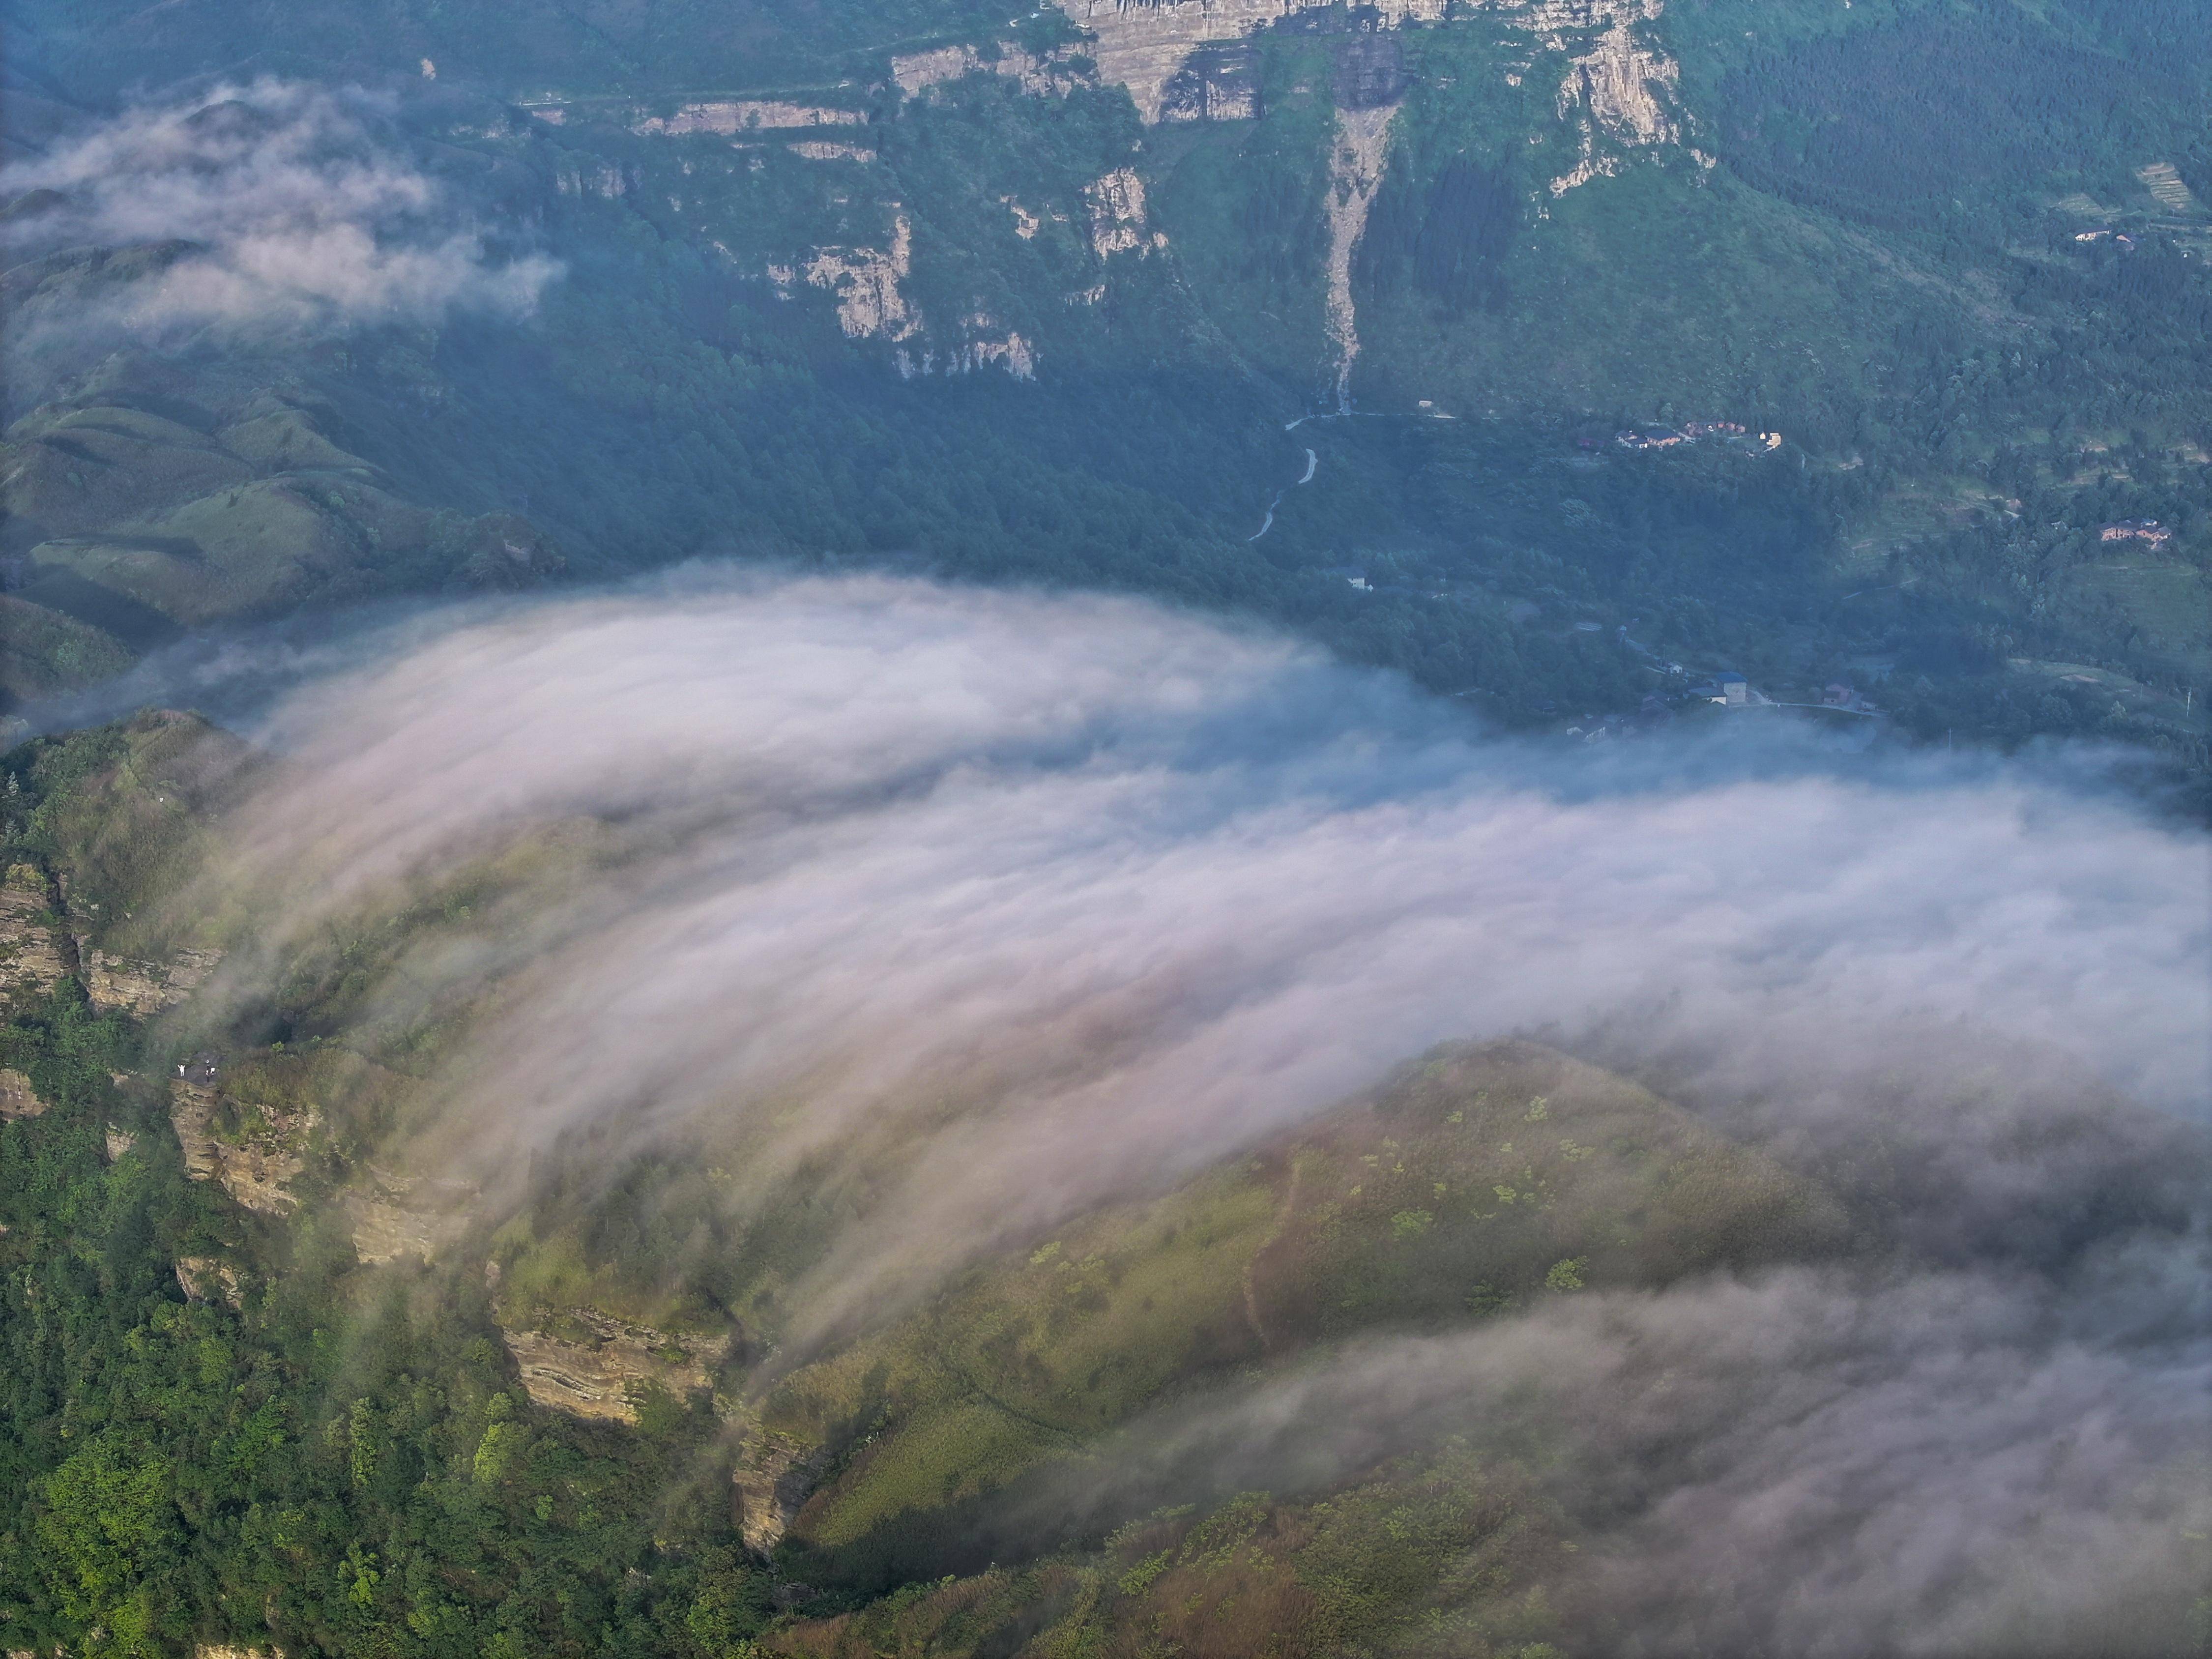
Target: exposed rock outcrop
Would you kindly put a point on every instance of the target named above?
(1219, 81)
(258, 1156)
(208, 1279)
(1190, 60)
(775, 1477)
(866, 283)
(1117, 213)
(1622, 90)
(589, 1365)
(145, 988)
(17, 1098)
(730, 116)
(826, 150)
(606, 180)
(986, 346)
(31, 962)
(1146, 46)
(394, 1215)
(916, 72)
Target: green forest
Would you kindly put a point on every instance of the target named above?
(1968, 392)
(1863, 350)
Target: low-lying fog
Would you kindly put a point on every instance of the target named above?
(1063, 898)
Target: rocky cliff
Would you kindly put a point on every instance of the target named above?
(17, 1098)
(143, 988)
(32, 949)
(584, 1362)
(774, 1479)
(254, 1153)
(1149, 48)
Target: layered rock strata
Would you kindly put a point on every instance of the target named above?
(593, 1365)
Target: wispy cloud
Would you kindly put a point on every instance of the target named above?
(994, 906)
(273, 210)
(1135, 890)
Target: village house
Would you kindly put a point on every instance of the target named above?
(2137, 529)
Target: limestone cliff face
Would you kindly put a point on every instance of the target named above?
(145, 988)
(1355, 174)
(209, 1278)
(1116, 202)
(730, 116)
(17, 1098)
(871, 305)
(587, 1363)
(916, 72)
(987, 344)
(258, 1163)
(775, 1477)
(1145, 46)
(396, 1216)
(1185, 60)
(1622, 89)
(605, 180)
(866, 283)
(828, 149)
(31, 959)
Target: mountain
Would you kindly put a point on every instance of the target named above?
(811, 1001)
(1436, 1369)
(1038, 300)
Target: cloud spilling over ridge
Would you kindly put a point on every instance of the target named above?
(269, 210)
(1814, 1463)
(1041, 901)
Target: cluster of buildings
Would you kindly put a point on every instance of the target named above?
(2137, 529)
(2119, 238)
(1841, 696)
(1666, 437)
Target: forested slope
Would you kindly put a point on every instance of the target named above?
(1403, 1379)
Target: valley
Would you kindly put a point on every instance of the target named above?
(1171, 827)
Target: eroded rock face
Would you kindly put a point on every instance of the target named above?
(826, 150)
(866, 283)
(1117, 213)
(774, 1479)
(587, 1363)
(916, 72)
(1150, 47)
(1623, 90)
(1355, 174)
(208, 1279)
(730, 116)
(259, 1161)
(31, 962)
(395, 1216)
(606, 181)
(1219, 82)
(1192, 60)
(17, 1098)
(145, 988)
